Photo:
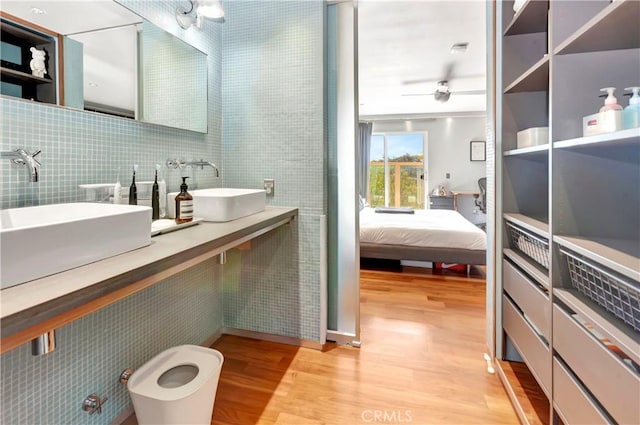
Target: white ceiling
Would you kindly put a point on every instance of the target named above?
(404, 48)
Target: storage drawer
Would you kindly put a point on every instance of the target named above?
(534, 352)
(531, 300)
(614, 385)
(574, 405)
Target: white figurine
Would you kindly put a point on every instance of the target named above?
(37, 62)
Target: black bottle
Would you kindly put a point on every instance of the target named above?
(155, 199)
(133, 191)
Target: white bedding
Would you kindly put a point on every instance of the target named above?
(426, 228)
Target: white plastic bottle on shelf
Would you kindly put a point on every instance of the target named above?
(517, 5)
(631, 114)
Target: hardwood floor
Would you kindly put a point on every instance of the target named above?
(533, 402)
(423, 337)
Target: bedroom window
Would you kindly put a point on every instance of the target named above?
(397, 171)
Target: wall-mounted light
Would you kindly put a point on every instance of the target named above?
(200, 9)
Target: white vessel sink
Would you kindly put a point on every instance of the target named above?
(222, 204)
(43, 240)
(226, 204)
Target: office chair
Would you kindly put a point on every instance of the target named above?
(481, 201)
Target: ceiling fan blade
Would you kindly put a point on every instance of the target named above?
(419, 81)
(418, 94)
(454, 92)
(469, 92)
(448, 72)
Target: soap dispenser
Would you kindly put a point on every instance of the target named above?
(610, 103)
(184, 204)
(133, 190)
(631, 114)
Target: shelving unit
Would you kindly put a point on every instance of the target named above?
(15, 72)
(569, 280)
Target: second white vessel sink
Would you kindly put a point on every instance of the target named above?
(47, 239)
(226, 204)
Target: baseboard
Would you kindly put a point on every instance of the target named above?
(212, 339)
(273, 338)
(123, 416)
(342, 338)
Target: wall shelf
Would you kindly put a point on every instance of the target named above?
(531, 18)
(9, 73)
(614, 28)
(18, 39)
(536, 78)
(540, 152)
(619, 138)
(532, 224)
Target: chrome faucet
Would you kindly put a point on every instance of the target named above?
(21, 157)
(202, 164)
(176, 163)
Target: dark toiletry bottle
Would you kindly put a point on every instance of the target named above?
(155, 199)
(133, 191)
(184, 204)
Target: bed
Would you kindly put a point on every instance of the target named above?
(427, 235)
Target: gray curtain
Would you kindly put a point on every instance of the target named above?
(363, 152)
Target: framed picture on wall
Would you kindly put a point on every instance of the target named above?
(478, 151)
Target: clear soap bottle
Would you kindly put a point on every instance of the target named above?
(184, 204)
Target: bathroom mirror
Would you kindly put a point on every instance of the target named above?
(115, 62)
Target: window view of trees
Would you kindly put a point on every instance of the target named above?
(404, 170)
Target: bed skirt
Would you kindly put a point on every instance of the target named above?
(417, 253)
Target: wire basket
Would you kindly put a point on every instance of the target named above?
(531, 245)
(606, 288)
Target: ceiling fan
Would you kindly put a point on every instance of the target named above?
(442, 93)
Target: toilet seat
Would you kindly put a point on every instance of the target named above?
(144, 381)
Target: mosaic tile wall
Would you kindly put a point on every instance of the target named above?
(79, 147)
(166, 59)
(91, 352)
(273, 128)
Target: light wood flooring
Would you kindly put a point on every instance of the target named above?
(421, 362)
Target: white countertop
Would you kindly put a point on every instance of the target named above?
(23, 305)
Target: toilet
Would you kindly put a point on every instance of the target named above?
(178, 386)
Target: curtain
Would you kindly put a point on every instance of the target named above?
(363, 153)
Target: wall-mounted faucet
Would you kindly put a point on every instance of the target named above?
(21, 157)
(176, 163)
